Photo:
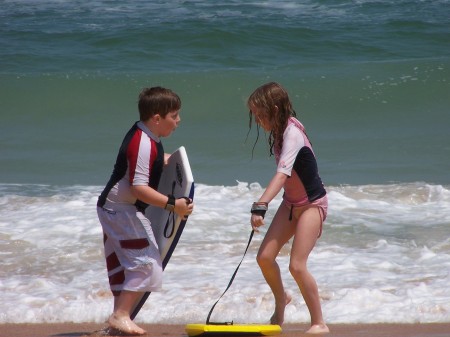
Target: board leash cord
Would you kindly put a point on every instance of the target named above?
(228, 287)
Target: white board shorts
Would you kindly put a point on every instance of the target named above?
(131, 252)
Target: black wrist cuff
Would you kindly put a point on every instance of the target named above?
(170, 206)
(259, 208)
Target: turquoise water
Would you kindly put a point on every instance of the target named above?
(369, 123)
(370, 80)
(182, 36)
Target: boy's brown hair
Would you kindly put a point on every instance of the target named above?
(157, 100)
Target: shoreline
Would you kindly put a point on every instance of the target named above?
(178, 330)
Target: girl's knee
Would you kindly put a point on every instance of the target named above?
(264, 260)
(297, 270)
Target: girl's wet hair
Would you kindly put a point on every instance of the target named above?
(274, 101)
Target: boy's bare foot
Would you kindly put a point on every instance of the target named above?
(278, 315)
(124, 324)
(318, 329)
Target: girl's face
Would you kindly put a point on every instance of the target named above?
(261, 118)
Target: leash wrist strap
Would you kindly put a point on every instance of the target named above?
(259, 208)
(229, 284)
(170, 206)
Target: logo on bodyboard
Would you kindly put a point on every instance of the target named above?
(178, 168)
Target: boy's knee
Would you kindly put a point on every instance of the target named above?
(144, 277)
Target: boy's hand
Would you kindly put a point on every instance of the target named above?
(184, 207)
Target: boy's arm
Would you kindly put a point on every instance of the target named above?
(166, 158)
(153, 197)
(149, 195)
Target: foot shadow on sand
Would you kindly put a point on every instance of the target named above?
(109, 332)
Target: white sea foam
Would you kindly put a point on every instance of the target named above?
(384, 257)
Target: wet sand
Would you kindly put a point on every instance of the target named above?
(167, 330)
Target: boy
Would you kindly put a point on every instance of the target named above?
(132, 257)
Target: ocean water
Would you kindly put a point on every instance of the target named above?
(370, 81)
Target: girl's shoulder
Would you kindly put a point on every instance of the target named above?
(295, 122)
(293, 128)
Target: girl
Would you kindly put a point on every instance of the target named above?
(304, 206)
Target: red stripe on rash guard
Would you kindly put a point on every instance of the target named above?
(133, 152)
(117, 278)
(153, 154)
(112, 262)
(134, 243)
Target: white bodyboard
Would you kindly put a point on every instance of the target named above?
(176, 179)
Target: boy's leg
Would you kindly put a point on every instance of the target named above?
(120, 318)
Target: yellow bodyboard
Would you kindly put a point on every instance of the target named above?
(204, 330)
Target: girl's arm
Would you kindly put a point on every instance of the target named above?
(274, 187)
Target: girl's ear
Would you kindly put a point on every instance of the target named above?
(276, 108)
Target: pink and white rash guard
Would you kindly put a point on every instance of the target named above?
(296, 159)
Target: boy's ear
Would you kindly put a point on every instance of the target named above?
(156, 118)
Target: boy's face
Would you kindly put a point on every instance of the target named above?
(168, 124)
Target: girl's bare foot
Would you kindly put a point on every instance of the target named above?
(278, 315)
(124, 324)
(318, 329)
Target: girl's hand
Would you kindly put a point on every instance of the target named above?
(256, 221)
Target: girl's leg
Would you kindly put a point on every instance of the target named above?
(277, 235)
(120, 318)
(307, 229)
